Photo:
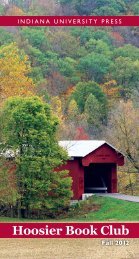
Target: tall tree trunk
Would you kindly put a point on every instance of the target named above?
(130, 182)
(11, 211)
(19, 209)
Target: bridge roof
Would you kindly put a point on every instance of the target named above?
(81, 148)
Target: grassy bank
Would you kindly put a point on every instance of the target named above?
(114, 210)
(101, 209)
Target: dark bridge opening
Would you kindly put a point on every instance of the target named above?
(97, 178)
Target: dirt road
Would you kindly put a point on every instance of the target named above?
(66, 249)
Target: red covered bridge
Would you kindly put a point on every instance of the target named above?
(92, 165)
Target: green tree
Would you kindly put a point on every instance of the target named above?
(94, 66)
(82, 92)
(127, 50)
(1, 9)
(135, 8)
(5, 37)
(85, 34)
(98, 46)
(30, 128)
(39, 63)
(67, 66)
(37, 37)
(99, 7)
(106, 10)
(126, 73)
(92, 110)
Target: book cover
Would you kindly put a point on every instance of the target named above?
(69, 131)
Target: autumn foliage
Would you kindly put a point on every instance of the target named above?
(14, 67)
(8, 184)
(80, 134)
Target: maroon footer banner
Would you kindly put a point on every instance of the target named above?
(69, 230)
(69, 20)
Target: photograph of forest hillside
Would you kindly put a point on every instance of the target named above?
(70, 7)
(83, 82)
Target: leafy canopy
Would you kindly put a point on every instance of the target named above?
(30, 128)
(82, 92)
(14, 67)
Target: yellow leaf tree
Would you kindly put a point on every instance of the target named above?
(73, 112)
(14, 70)
(56, 105)
(123, 131)
(13, 10)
